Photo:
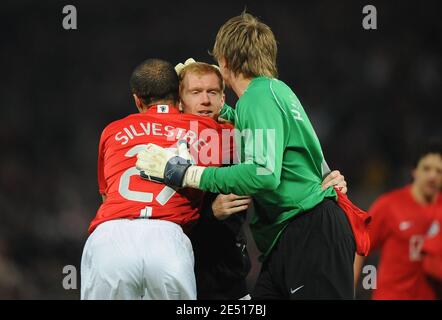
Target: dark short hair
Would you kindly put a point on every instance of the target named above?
(154, 80)
(431, 146)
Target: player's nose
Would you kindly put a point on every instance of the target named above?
(205, 99)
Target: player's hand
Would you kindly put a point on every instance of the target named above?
(335, 179)
(160, 165)
(227, 204)
(224, 121)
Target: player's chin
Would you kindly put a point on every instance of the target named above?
(431, 189)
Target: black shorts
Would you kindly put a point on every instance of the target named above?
(313, 259)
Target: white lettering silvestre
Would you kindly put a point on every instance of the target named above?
(212, 146)
(135, 130)
(154, 129)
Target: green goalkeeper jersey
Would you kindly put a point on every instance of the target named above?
(281, 160)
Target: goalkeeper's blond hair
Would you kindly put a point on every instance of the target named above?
(248, 46)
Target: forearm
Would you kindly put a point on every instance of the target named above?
(357, 267)
(240, 179)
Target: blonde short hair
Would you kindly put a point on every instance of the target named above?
(248, 46)
(201, 68)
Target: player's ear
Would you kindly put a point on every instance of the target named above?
(223, 99)
(138, 103)
(222, 63)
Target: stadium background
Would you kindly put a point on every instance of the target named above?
(372, 96)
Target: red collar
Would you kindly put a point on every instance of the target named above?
(163, 108)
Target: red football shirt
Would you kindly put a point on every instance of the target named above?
(127, 195)
(398, 228)
(432, 249)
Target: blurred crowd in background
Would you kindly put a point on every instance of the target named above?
(371, 95)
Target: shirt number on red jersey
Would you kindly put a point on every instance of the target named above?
(165, 194)
(416, 243)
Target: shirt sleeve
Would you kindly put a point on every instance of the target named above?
(379, 227)
(433, 240)
(262, 130)
(228, 113)
(102, 185)
(432, 253)
(233, 223)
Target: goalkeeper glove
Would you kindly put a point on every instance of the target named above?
(180, 66)
(160, 165)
